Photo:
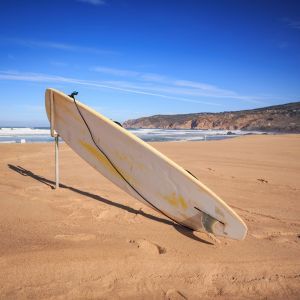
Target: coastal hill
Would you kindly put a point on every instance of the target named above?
(279, 118)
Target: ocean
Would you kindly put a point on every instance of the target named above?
(42, 134)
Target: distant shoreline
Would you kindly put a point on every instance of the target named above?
(283, 118)
(42, 134)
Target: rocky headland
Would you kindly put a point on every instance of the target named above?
(279, 118)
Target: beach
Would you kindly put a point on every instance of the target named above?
(90, 240)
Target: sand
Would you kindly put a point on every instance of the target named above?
(90, 240)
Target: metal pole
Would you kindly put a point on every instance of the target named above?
(55, 135)
(56, 162)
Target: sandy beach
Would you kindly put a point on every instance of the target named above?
(90, 240)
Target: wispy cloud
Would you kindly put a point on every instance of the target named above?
(283, 45)
(37, 77)
(157, 83)
(130, 73)
(33, 108)
(93, 2)
(116, 72)
(58, 63)
(56, 45)
(153, 77)
(295, 24)
(204, 87)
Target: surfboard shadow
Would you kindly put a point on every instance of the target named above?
(183, 230)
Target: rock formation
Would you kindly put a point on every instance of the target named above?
(279, 118)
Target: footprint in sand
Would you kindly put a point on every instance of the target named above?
(148, 247)
(76, 237)
(278, 237)
(172, 294)
(103, 214)
(262, 180)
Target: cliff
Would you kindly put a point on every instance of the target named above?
(279, 118)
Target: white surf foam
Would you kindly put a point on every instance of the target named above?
(16, 134)
(15, 131)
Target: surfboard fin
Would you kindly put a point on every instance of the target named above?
(209, 223)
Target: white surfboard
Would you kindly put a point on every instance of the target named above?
(139, 169)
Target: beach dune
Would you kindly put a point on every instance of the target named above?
(90, 240)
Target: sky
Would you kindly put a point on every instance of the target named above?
(129, 59)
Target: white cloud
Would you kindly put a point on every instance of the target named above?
(58, 63)
(93, 2)
(157, 83)
(115, 72)
(58, 46)
(36, 77)
(33, 108)
(130, 73)
(295, 24)
(153, 77)
(283, 45)
(204, 87)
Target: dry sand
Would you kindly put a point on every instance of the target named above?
(90, 240)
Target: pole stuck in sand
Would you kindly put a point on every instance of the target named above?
(56, 163)
(56, 139)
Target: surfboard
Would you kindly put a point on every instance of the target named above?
(139, 169)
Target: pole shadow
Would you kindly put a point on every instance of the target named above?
(181, 229)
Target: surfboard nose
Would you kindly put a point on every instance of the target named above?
(237, 231)
(234, 229)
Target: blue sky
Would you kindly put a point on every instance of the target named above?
(132, 58)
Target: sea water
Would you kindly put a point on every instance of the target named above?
(25, 135)
(42, 134)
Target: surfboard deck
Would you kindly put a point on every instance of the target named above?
(140, 170)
